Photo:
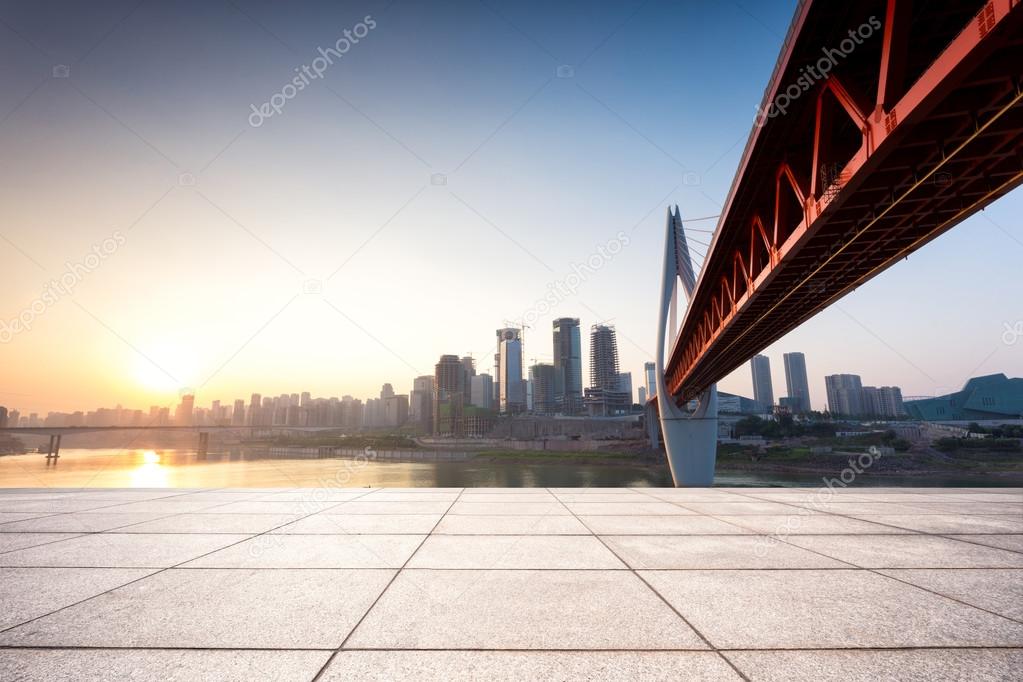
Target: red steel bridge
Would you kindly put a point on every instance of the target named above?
(857, 160)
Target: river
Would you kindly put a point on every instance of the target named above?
(253, 468)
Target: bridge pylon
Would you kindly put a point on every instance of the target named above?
(690, 439)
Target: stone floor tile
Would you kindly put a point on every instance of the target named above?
(314, 551)
(28, 593)
(455, 524)
(439, 609)
(166, 665)
(356, 524)
(997, 590)
(514, 551)
(713, 551)
(661, 525)
(824, 609)
(983, 665)
(114, 550)
(512, 666)
(210, 608)
(907, 551)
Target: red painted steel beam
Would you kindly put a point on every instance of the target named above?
(872, 208)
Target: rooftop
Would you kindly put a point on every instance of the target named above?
(511, 583)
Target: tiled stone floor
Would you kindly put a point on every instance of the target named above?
(485, 583)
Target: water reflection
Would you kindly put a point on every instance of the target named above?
(256, 467)
(150, 473)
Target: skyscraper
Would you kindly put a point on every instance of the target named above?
(885, 401)
(763, 393)
(796, 383)
(483, 391)
(641, 395)
(845, 394)
(448, 386)
(605, 396)
(421, 403)
(625, 384)
(568, 366)
(511, 389)
(238, 416)
(650, 377)
(469, 369)
(183, 414)
(543, 376)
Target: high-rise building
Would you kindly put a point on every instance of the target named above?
(763, 393)
(448, 387)
(796, 382)
(183, 413)
(845, 394)
(395, 410)
(482, 394)
(605, 397)
(885, 401)
(469, 371)
(238, 416)
(421, 403)
(641, 395)
(3, 417)
(511, 388)
(568, 366)
(891, 402)
(542, 375)
(650, 377)
(386, 391)
(625, 384)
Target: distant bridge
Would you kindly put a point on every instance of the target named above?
(56, 433)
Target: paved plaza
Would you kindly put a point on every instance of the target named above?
(511, 583)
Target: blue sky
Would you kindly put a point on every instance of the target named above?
(226, 224)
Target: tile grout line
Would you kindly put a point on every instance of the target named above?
(659, 596)
(330, 659)
(904, 582)
(130, 582)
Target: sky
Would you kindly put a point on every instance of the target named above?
(213, 228)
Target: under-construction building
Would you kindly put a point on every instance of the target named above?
(606, 396)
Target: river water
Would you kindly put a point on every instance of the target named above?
(242, 468)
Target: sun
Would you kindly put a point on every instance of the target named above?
(165, 367)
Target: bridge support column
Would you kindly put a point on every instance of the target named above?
(53, 449)
(650, 420)
(204, 443)
(691, 441)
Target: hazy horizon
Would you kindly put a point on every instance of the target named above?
(434, 183)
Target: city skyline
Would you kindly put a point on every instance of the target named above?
(228, 254)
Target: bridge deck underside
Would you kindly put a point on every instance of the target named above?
(963, 150)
